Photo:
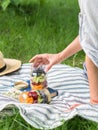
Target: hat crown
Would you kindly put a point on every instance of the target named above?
(2, 63)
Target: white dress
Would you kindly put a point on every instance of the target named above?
(88, 28)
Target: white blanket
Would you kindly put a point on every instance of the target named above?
(73, 98)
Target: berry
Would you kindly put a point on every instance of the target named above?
(33, 94)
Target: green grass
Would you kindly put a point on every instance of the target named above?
(10, 119)
(38, 29)
(47, 28)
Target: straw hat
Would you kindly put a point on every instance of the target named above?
(8, 65)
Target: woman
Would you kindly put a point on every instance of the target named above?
(86, 40)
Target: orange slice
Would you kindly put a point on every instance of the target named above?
(24, 98)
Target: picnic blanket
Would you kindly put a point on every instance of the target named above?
(73, 97)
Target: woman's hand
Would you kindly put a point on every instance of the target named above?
(45, 59)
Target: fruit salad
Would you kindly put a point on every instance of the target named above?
(38, 79)
(40, 96)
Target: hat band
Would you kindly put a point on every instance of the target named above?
(3, 68)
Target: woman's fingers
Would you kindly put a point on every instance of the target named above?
(39, 60)
(43, 59)
(48, 67)
(33, 58)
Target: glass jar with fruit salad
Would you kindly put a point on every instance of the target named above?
(38, 79)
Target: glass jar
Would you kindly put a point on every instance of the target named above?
(38, 79)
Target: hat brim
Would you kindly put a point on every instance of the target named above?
(11, 66)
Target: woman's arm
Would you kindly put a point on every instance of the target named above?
(71, 49)
(51, 59)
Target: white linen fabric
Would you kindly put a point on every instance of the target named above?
(88, 28)
(73, 97)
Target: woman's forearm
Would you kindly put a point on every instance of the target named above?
(71, 49)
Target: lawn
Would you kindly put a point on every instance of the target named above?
(40, 28)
